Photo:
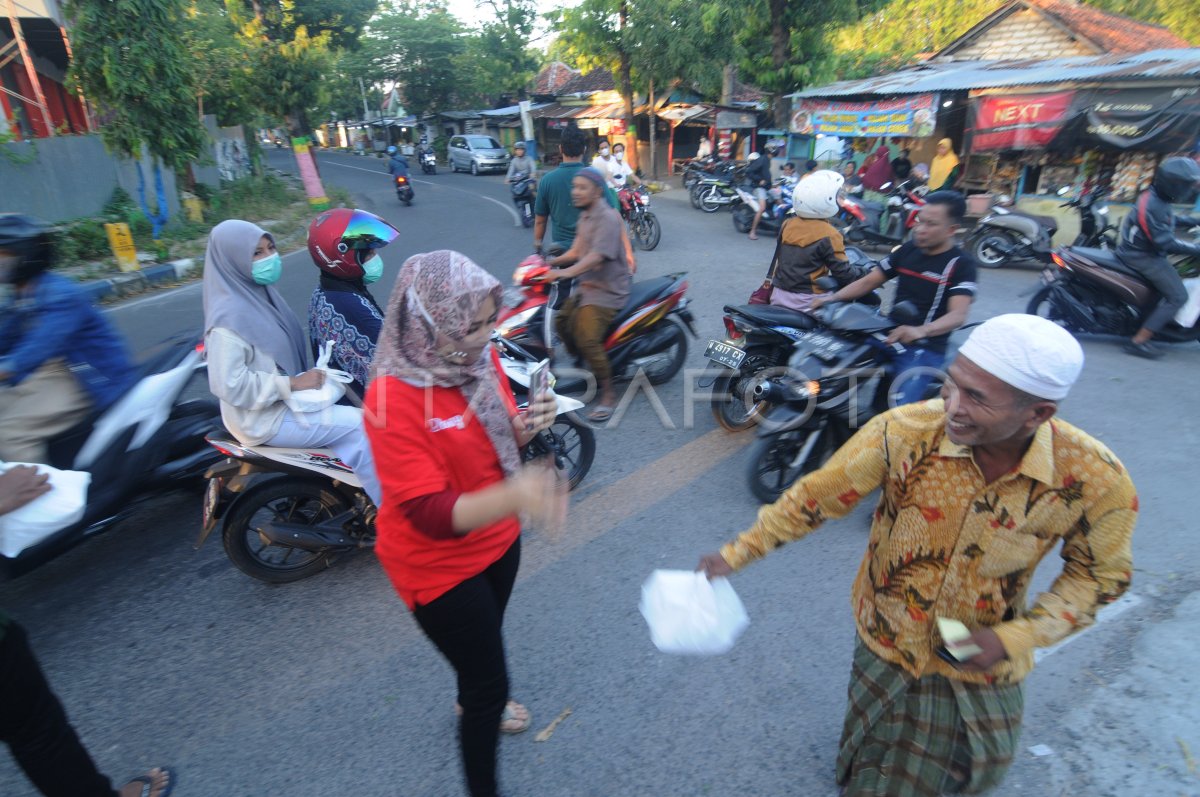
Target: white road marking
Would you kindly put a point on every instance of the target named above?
(512, 211)
(1109, 612)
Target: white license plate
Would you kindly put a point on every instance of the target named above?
(823, 345)
(723, 353)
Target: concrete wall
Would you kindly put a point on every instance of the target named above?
(68, 177)
(1023, 34)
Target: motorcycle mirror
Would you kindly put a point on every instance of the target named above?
(905, 313)
(826, 283)
(1066, 189)
(885, 186)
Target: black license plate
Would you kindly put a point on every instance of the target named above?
(823, 345)
(723, 353)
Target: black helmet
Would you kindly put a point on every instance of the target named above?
(30, 240)
(1177, 180)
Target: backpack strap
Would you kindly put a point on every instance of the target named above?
(774, 267)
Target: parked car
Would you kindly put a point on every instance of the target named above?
(476, 154)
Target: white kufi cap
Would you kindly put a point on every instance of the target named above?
(1028, 352)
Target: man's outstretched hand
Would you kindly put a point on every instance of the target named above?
(714, 565)
(20, 485)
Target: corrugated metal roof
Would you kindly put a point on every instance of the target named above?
(512, 110)
(934, 76)
(556, 111)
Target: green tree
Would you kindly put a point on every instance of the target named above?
(221, 63)
(496, 60)
(417, 46)
(131, 59)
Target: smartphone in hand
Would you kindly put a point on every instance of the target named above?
(539, 380)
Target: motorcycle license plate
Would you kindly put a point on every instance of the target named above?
(825, 346)
(723, 353)
(212, 498)
(1048, 276)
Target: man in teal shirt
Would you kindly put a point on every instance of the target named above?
(554, 194)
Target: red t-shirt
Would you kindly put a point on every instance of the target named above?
(425, 442)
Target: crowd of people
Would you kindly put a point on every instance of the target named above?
(981, 483)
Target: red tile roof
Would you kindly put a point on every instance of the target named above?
(553, 77)
(1113, 32)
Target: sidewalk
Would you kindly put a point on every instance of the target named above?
(133, 282)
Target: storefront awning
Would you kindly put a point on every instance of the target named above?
(901, 117)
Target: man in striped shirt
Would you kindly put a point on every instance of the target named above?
(934, 274)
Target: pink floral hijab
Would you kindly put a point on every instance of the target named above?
(442, 292)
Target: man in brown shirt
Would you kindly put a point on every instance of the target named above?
(599, 255)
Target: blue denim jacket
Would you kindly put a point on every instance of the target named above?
(58, 320)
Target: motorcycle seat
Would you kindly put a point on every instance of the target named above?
(1049, 222)
(773, 316)
(1108, 259)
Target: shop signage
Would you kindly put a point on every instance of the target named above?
(736, 120)
(904, 117)
(1018, 121)
(1159, 120)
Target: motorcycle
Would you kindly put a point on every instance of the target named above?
(148, 441)
(700, 168)
(429, 162)
(649, 333)
(522, 188)
(404, 189)
(289, 513)
(713, 193)
(903, 204)
(1093, 291)
(758, 341)
(1005, 235)
(747, 204)
(835, 383)
(644, 228)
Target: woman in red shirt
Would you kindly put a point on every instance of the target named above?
(447, 435)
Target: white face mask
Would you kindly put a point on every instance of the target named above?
(619, 156)
(604, 152)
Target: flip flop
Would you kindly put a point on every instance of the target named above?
(600, 414)
(148, 783)
(510, 722)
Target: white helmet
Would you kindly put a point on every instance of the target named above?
(816, 196)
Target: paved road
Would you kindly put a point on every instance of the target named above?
(164, 654)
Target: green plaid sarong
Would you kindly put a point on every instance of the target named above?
(922, 737)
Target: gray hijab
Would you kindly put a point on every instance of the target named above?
(234, 301)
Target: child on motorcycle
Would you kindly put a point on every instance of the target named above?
(344, 244)
(809, 246)
(257, 355)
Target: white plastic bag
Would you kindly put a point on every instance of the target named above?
(43, 516)
(1187, 315)
(329, 393)
(687, 613)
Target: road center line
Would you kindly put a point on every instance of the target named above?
(511, 211)
(603, 511)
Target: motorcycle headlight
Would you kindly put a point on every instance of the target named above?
(514, 322)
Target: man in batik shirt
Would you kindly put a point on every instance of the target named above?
(976, 489)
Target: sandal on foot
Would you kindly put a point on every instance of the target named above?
(515, 718)
(147, 782)
(600, 414)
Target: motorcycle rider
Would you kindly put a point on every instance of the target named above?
(621, 174)
(520, 163)
(603, 162)
(397, 163)
(758, 174)
(936, 276)
(1148, 236)
(809, 246)
(59, 358)
(344, 244)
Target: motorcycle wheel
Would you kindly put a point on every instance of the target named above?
(576, 443)
(983, 249)
(710, 200)
(474, 168)
(689, 179)
(527, 214)
(287, 499)
(694, 195)
(1042, 304)
(646, 231)
(668, 362)
(772, 470)
(729, 392)
(743, 218)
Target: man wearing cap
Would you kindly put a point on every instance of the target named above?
(976, 489)
(599, 253)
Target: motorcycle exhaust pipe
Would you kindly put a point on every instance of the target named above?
(770, 391)
(307, 538)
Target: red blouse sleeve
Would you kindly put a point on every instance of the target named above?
(433, 514)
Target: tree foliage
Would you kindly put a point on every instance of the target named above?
(497, 61)
(222, 64)
(416, 45)
(131, 59)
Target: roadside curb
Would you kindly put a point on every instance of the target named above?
(138, 281)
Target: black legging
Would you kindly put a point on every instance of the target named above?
(34, 726)
(465, 624)
(1159, 272)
